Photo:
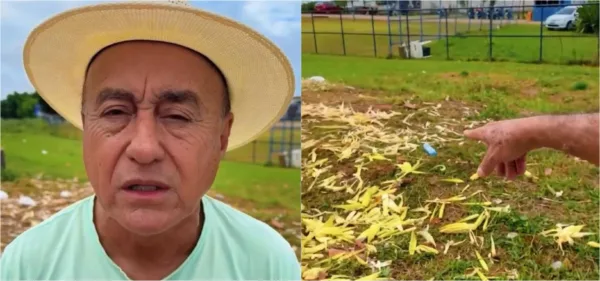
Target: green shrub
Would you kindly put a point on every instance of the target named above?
(588, 19)
(580, 86)
(8, 175)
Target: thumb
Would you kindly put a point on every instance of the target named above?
(487, 165)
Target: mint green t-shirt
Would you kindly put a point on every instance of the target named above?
(233, 246)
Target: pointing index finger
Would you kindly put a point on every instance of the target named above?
(475, 134)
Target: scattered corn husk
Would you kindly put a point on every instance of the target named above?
(343, 146)
(593, 244)
(566, 233)
(481, 261)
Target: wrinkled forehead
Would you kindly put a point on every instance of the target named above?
(142, 66)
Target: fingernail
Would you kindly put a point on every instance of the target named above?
(480, 172)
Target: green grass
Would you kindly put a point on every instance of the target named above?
(521, 49)
(498, 91)
(505, 91)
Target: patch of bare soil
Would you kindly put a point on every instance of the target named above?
(526, 87)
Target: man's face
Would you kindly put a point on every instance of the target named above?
(154, 132)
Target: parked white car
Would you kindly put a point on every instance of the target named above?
(563, 19)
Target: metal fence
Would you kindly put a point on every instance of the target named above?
(279, 147)
(499, 33)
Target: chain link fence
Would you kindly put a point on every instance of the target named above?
(491, 33)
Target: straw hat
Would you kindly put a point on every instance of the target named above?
(259, 76)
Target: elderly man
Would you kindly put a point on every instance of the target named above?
(158, 86)
(509, 141)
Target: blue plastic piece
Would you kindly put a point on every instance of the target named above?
(429, 149)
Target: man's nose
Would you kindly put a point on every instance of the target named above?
(145, 146)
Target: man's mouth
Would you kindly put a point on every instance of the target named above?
(144, 188)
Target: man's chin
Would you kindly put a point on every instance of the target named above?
(147, 222)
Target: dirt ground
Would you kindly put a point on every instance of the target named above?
(336, 116)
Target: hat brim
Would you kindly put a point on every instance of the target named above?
(259, 76)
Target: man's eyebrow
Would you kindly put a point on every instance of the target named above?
(114, 94)
(179, 96)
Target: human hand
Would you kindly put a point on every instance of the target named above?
(507, 144)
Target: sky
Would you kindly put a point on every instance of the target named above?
(277, 20)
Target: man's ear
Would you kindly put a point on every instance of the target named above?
(225, 132)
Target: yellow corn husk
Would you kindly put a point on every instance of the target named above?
(593, 244)
(453, 180)
(427, 249)
(426, 235)
(481, 261)
(373, 276)
(312, 273)
(487, 219)
(406, 230)
(481, 275)
(474, 177)
(471, 217)
(458, 227)
(361, 261)
(350, 207)
(314, 249)
(434, 211)
(370, 232)
(451, 243)
(487, 203)
(412, 244)
(442, 210)
(477, 223)
(504, 209)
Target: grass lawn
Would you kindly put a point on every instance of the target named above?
(450, 95)
(554, 50)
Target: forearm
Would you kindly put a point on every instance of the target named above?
(575, 134)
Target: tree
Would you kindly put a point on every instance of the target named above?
(308, 6)
(21, 105)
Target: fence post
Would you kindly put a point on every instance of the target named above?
(270, 146)
(373, 32)
(480, 23)
(400, 39)
(408, 36)
(389, 36)
(440, 20)
(447, 41)
(421, 22)
(290, 148)
(491, 28)
(343, 38)
(312, 19)
(541, 33)
(455, 20)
